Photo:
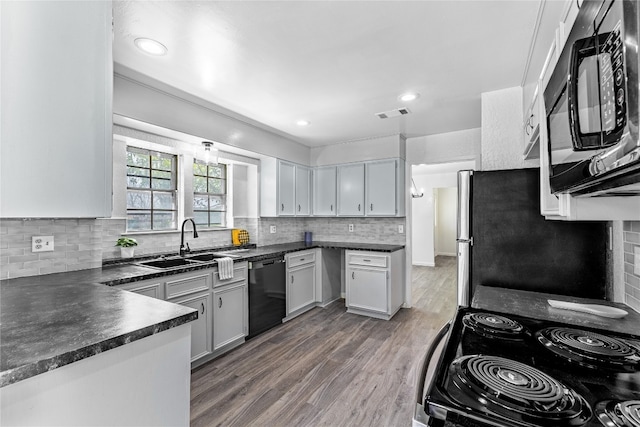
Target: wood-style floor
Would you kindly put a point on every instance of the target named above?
(328, 367)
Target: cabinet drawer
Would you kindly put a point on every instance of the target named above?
(239, 275)
(187, 285)
(300, 258)
(365, 259)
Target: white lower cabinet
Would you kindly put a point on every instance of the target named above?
(229, 314)
(374, 283)
(301, 282)
(368, 289)
(223, 310)
(201, 329)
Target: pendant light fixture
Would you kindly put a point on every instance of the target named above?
(210, 153)
(414, 190)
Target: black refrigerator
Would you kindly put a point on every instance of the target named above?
(504, 241)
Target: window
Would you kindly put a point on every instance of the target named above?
(151, 190)
(209, 194)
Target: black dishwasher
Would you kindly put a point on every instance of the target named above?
(267, 294)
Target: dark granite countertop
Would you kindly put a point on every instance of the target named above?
(114, 274)
(57, 319)
(535, 305)
(50, 321)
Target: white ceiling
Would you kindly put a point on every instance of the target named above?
(334, 63)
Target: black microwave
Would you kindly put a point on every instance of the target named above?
(591, 103)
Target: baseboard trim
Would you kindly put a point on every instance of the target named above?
(425, 264)
(445, 254)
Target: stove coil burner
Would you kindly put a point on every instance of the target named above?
(493, 326)
(518, 391)
(619, 414)
(590, 349)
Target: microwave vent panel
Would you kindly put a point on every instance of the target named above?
(393, 113)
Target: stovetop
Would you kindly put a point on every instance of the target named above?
(508, 370)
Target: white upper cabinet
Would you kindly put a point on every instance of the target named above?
(324, 191)
(285, 188)
(57, 85)
(351, 189)
(303, 191)
(381, 194)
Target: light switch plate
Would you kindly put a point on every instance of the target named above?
(636, 260)
(272, 229)
(400, 228)
(41, 243)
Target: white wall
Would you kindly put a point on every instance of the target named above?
(445, 224)
(358, 151)
(502, 137)
(141, 98)
(445, 147)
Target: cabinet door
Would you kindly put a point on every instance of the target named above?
(351, 190)
(367, 289)
(286, 188)
(324, 191)
(301, 287)
(303, 191)
(229, 314)
(56, 151)
(200, 328)
(381, 188)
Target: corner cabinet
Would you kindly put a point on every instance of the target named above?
(374, 283)
(223, 310)
(285, 188)
(56, 109)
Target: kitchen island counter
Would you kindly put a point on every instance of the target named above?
(54, 320)
(535, 305)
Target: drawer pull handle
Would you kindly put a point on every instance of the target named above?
(331, 208)
(371, 207)
(282, 209)
(301, 259)
(353, 274)
(298, 208)
(202, 305)
(366, 260)
(219, 302)
(292, 277)
(358, 207)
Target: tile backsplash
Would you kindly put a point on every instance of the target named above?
(631, 240)
(84, 243)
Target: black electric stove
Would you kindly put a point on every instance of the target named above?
(508, 370)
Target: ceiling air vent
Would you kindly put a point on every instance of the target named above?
(393, 113)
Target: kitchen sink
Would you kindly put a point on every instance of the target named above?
(169, 263)
(207, 257)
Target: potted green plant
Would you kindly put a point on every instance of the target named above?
(126, 246)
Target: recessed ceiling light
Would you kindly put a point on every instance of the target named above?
(303, 122)
(150, 46)
(408, 97)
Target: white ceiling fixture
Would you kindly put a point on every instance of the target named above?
(150, 46)
(277, 61)
(303, 122)
(408, 97)
(210, 153)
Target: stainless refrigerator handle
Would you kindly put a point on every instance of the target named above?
(420, 413)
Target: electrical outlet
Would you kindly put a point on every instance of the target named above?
(400, 228)
(272, 229)
(350, 228)
(41, 243)
(636, 260)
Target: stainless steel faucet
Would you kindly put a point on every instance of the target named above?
(183, 251)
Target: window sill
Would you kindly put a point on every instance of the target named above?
(159, 232)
